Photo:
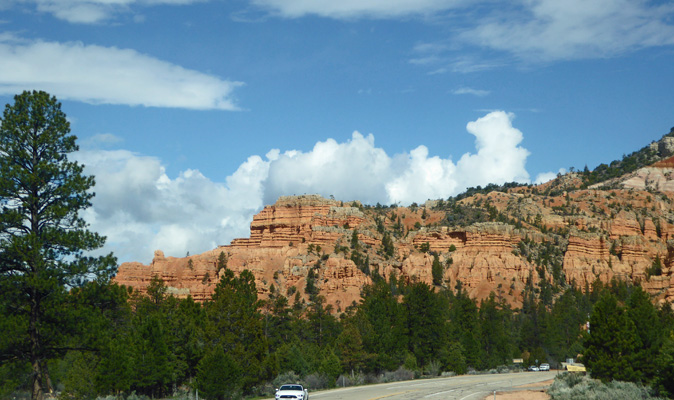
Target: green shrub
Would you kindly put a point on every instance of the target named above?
(572, 386)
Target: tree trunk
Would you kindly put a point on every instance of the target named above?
(38, 390)
(41, 383)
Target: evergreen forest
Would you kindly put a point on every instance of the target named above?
(236, 345)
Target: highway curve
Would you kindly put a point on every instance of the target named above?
(464, 387)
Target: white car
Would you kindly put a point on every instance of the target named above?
(544, 367)
(533, 368)
(292, 392)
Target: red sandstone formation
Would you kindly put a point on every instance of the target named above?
(601, 234)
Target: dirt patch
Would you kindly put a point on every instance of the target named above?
(545, 384)
(533, 394)
(520, 395)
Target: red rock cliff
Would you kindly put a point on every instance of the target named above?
(575, 236)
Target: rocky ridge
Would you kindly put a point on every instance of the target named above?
(550, 235)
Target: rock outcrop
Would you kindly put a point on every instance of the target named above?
(491, 242)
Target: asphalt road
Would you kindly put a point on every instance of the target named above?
(464, 387)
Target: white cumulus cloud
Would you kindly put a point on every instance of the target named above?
(108, 75)
(358, 170)
(140, 209)
(352, 170)
(422, 178)
(499, 157)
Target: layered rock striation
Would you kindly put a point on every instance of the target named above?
(490, 242)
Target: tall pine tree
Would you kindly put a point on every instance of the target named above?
(43, 239)
(611, 344)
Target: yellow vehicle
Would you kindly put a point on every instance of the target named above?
(575, 368)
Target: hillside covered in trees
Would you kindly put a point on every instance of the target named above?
(235, 344)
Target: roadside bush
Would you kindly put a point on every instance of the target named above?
(433, 368)
(570, 386)
(503, 369)
(401, 374)
(316, 382)
(262, 390)
(286, 377)
(134, 396)
(355, 379)
(410, 362)
(372, 379)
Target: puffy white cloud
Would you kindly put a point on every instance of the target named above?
(352, 170)
(549, 30)
(499, 159)
(357, 170)
(110, 75)
(422, 178)
(140, 209)
(355, 8)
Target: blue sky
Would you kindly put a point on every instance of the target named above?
(194, 114)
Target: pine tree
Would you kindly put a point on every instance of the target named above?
(611, 344)
(233, 319)
(222, 262)
(279, 323)
(665, 363)
(495, 324)
(116, 369)
(562, 336)
(425, 320)
(649, 331)
(43, 240)
(383, 331)
(322, 326)
(330, 365)
(387, 245)
(464, 326)
(437, 270)
(350, 348)
(219, 375)
(153, 361)
(452, 358)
